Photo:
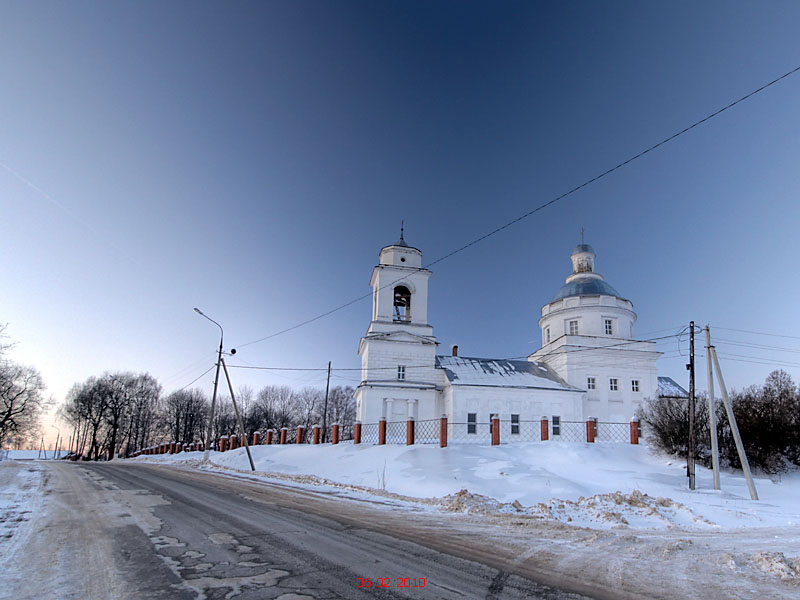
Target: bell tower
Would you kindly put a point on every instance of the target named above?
(400, 289)
(397, 353)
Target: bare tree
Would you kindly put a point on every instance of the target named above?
(308, 406)
(21, 402)
(21, 398)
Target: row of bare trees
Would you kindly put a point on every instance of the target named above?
(119, 413)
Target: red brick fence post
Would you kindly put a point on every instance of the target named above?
(495, 431)
(268, 441)
(335, 433)
(223, 444)
(300, 436)
(284, 431)
(635, 430)
(410, 431)
(591, 429)
(382, 431)
(357, 432)
(545, 429)
(256, 438)
(316, 433)
(443, 432)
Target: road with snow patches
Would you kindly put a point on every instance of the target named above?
(108, 531)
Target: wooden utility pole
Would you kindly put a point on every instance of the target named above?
(325, 408)
(691, 450)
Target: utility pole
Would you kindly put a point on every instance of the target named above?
(691, 451)
(238, 416)
(207, 445)
(325, 408)
(712, 415)
(734, 428)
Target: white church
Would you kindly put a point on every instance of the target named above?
(589, 365)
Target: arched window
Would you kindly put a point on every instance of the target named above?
(402, 304)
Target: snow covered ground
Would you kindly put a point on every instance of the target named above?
(19, 501)
(590, 485)
(618, 504)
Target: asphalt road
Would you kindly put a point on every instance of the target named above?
(142, 531)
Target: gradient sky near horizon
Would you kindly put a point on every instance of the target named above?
(251, 159)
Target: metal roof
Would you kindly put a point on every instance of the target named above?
(669, 388)
(583, 248)
(500, 372)
(589, 286)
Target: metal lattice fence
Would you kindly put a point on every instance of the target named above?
(469, 433)
(369, 433)
(427, 432)
(345, 434)
(613, 433)
(396, 432)
(520, 431)
(569, 431)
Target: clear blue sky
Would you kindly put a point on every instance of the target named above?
(252, 158)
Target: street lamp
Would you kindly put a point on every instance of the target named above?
(216, 381)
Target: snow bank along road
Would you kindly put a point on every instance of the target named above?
(107, 531)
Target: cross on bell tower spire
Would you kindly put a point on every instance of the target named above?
(582, 241)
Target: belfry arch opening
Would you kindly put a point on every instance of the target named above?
(402, 304)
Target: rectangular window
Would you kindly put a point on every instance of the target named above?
(547, 335)
(609, 327)
(401, 372)
(591, 384)
(634, 385)
(472, 419)
(613, 384)
(514, 424)
(573, 328)
(556, 425)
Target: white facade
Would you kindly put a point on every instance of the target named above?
(398, 374)
(589, 364)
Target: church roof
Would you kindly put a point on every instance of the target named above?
(589, 286)
(669, 388)
(583, 248)
(500, 372)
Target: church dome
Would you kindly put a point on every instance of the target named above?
(584, 281)
(585, 287)
(583, 248)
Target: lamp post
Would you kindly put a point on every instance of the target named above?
(216, 381)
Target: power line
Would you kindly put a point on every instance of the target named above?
(792, 337)
(569, 350)
(530, 213)
(196, 378)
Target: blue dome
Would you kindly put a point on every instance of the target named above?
(583, 248)
(589, 286)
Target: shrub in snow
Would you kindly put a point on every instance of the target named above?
(768, 418)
